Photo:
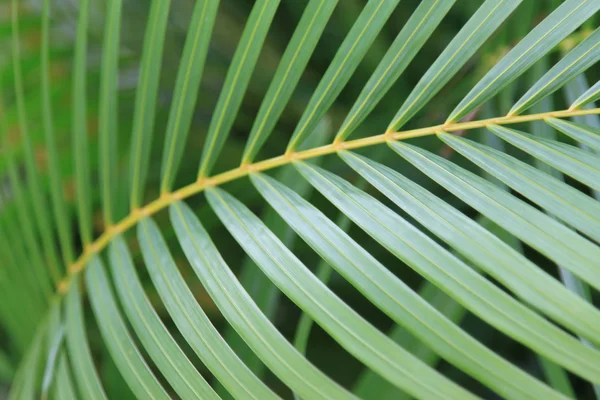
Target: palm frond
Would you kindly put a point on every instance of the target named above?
(504, 226)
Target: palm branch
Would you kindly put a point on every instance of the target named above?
(502, 223)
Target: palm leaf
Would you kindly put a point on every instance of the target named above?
(481, 234)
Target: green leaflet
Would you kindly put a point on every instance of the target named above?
(324, 272)
(186, 88)
(191, 320)
(32, 181)
(545, 105)
(393, 297)
(570, 92)
(236, 82)
(290, 69)
(579, 85)
(541, 232)
(107, 114)
(345, 62)
(450, 274)
(78, 347)
(156, 339)
(588, 97)
(145, 99)
(306, 323)
(259, 287)
(63, 385)
(370, 384)
(586, 54)
(563, 201)
(476, 31)
(497, 259)
(554, 28)
(549, 237)
(24, 385)
(24, 243)
(556, 376)
(580, 164)
(120, 344)
(54, 338)
(58, 202)
(23, 305)
(239, 309)
(584, 134)
(407, 44)
(79, 130)
(352, 332)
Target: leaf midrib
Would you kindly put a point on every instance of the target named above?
(201, 184)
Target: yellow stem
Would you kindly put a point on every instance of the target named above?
(168, 198)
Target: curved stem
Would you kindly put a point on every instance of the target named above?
(196, 187)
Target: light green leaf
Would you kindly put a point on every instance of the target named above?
(236, 82)
(25, 296)
(343, 65)
(191, 320)
(496, 258)
(557, 377)
(533, 227)
(563, 201)
(79, 129)
(545, 105)
(32, 181)
(324, 272)
(186, 88)
(584, 134)
(107, 113)
(588, 97)
(25, 244)
(54, 339)
(156, 339)
(305, 324)
(370, 384)
(451, 275)
(145, 99)
(78, 347)
(241, 311)
(63, 385)
(554, 28)
(393, 297)
(579, 85)
(580, 164)
(120, 344)
(400, 54)
(350, 330)
(577, 61)
(259, 287)
(58, 201)
(290, 69)
(20, 318)
(24, 386)
(476, 31)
